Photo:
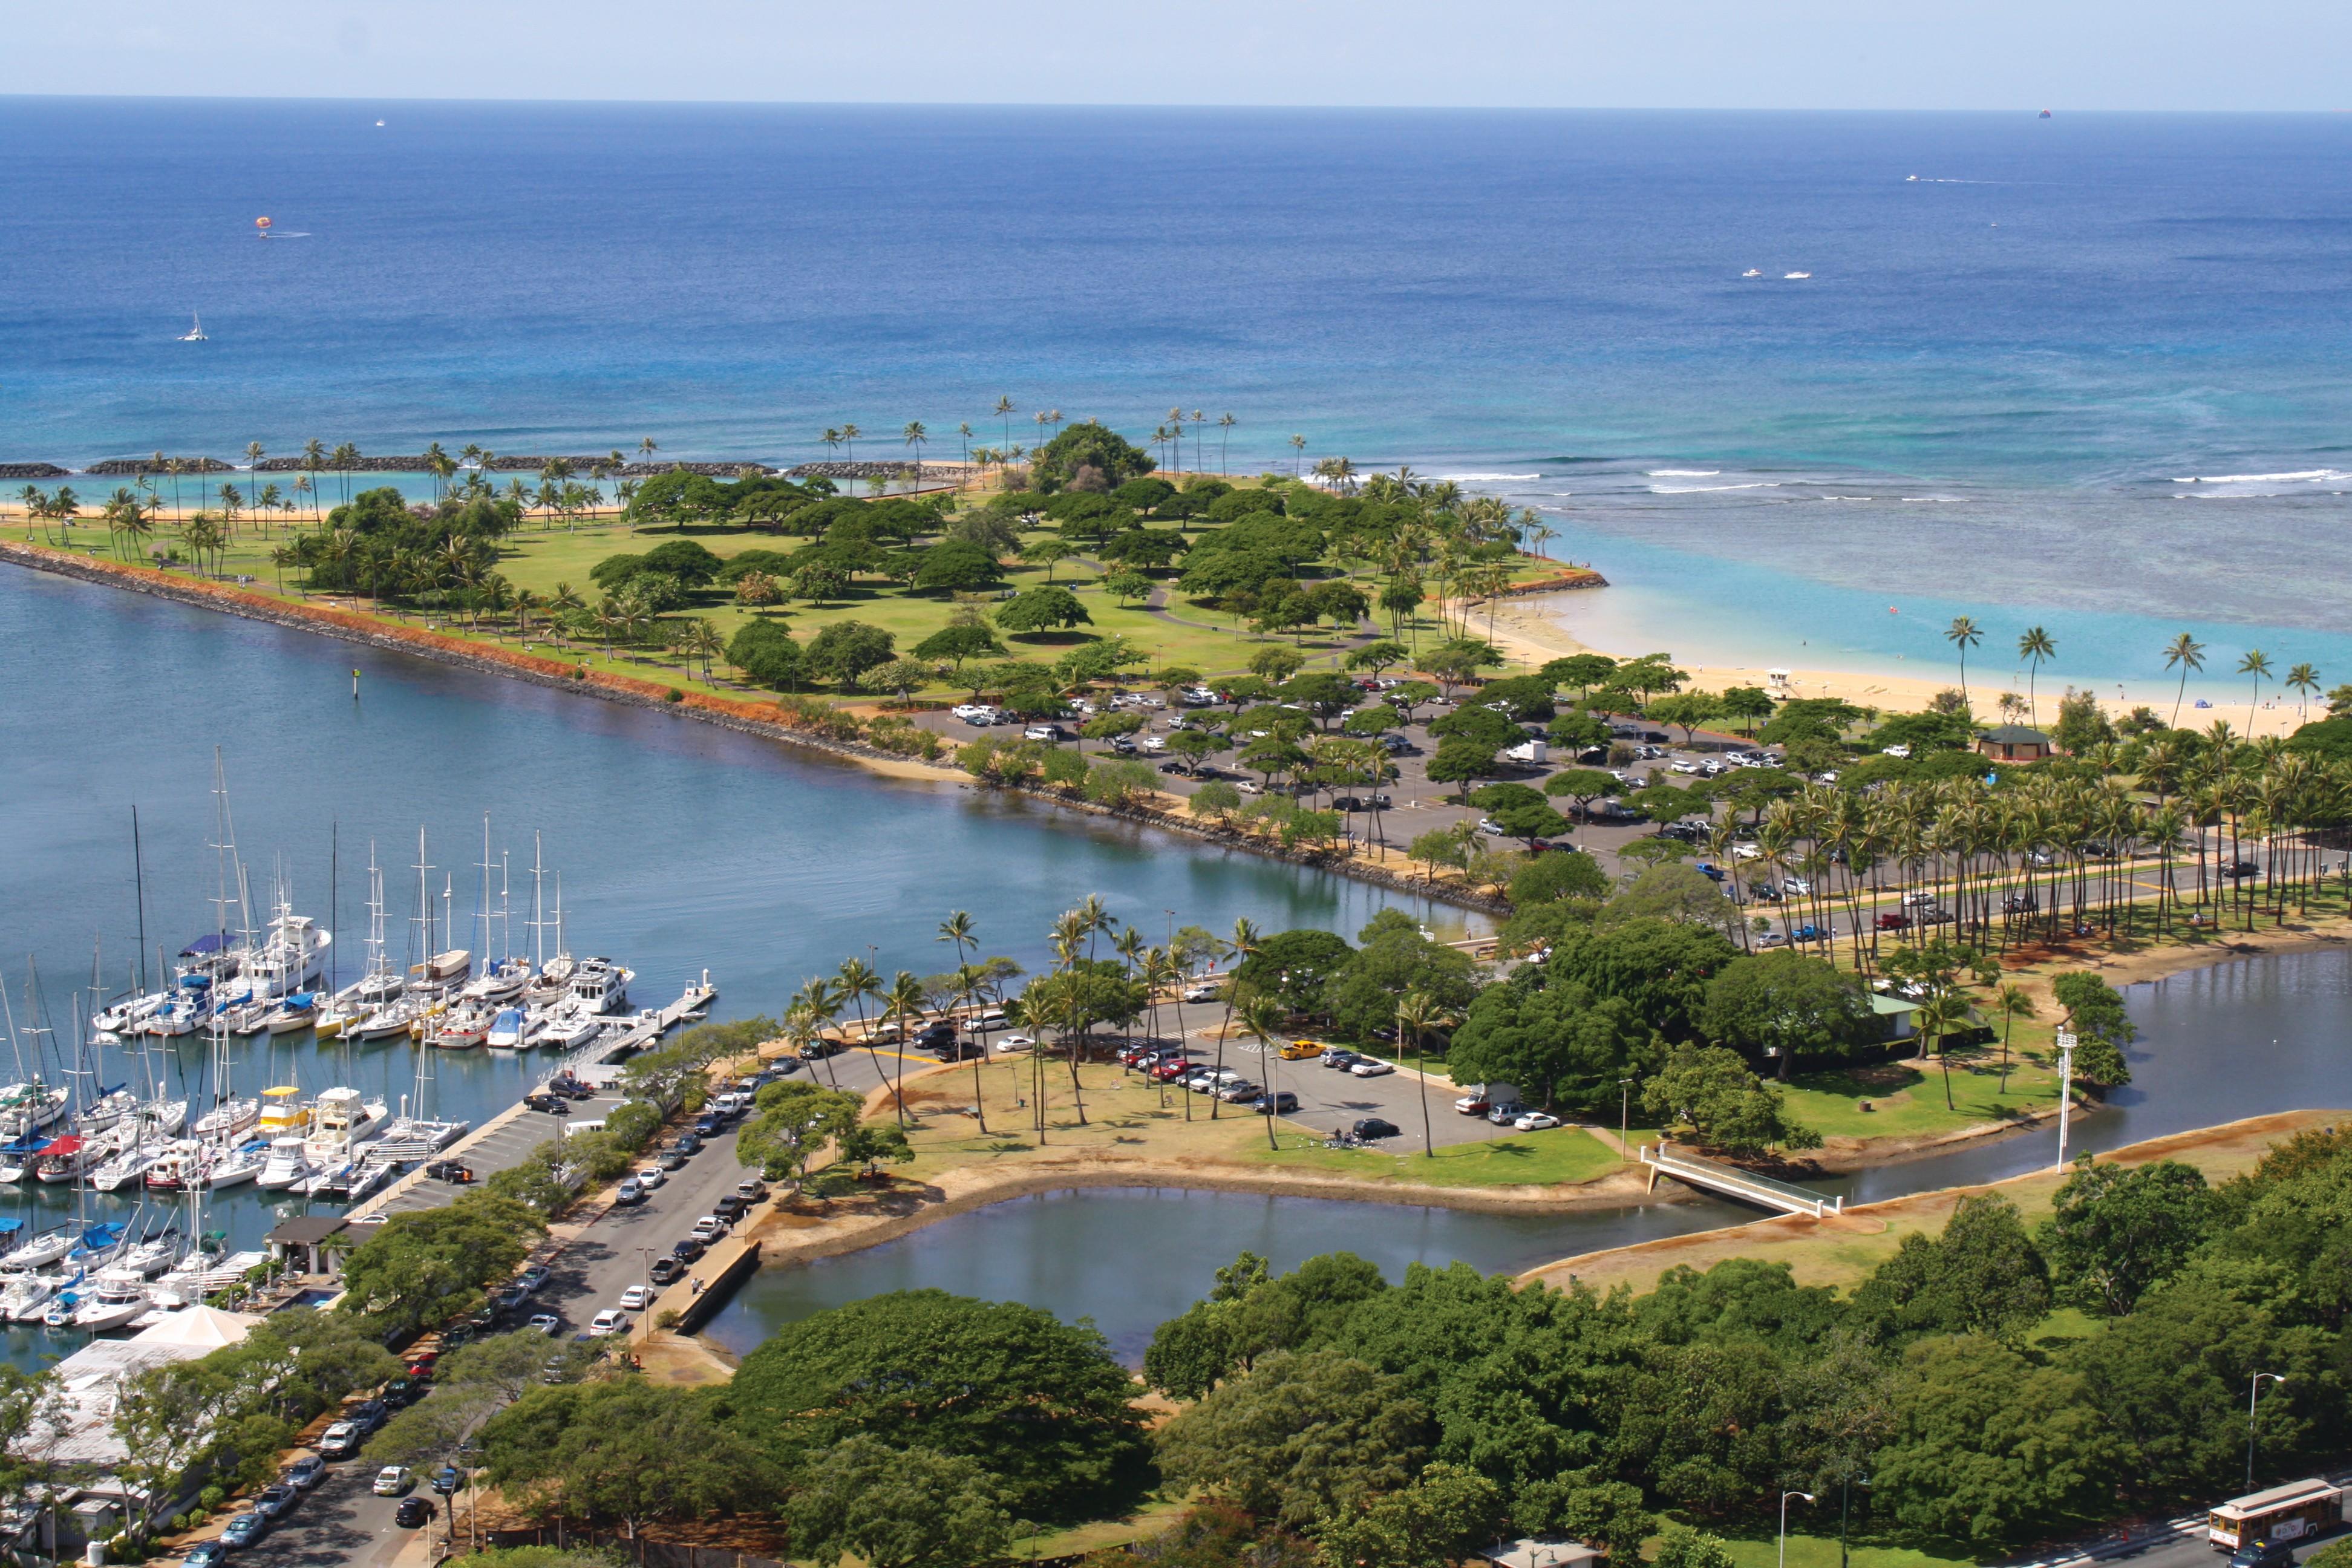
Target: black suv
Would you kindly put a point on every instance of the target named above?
(730, 1208)
(1374, 1127)
(551, 1104)
(2263, 1554)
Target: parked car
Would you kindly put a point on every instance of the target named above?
(652, 1176)
(1011, 1043)
(1174, 1068)
(455, 1172)
(243, 1532)
(687, 1248)
(1796, 887)
(368, 1414)
(1503, 1115)
(1710, 870)
(1204, 991)
(205, 1554)
(1341, 1058)
(1044, 732)
(709, 1228)
(274, 1500)
(392, 1480)
(751, 1190)
(1239, 1092)
(549, 1104)
(670, 1160)
(413, 1513)
(1764, 892)
(446, 1479)
(687, 1143)
(730, 1208)
(546, 1323)
(1282, 1102)
(1369, 1067)
(635, 1299)
(306, 1473)
(1373, 1127)
(533, 1278)
(629, 1191)
(2240, 868)
(1473, 1105)
(611, 1321)
(1535, 1121)
(669, 1270)
(1891, 920)
(2263, 1554)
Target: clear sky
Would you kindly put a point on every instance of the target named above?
(1780, 54)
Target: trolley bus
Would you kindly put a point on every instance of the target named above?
(2290, 1512)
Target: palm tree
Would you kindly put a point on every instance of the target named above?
(1264, 1017)
(702, 642)
(2303, 679)
(849, 433)
(957, 928)
(1226, 423)
(905, 1001)
(822, 1003)
(344, 458)
(855, 983)
(253, 455)
(1244, 942)
(1004, 411)
(2012, 1003)
(1942, 1015)
(1964, 634)
(970, 981)
(2034, 646)
(1297, 452)
(1417, 1013)
(832, 438)
(915, 436)
(646, 449)
(2257, 664)
(2189, 654)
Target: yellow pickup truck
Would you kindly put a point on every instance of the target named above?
(1301, 1050)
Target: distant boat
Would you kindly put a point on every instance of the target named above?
(379, 125)
(1793, 275)
(195, 332)
(1910, 179)
(2045, 114)
(1753, 272)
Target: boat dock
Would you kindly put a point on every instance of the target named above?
(1782, 1197)
(508, 1138)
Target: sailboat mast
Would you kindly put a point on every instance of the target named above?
(538, 908)
(334, 897)
(139, 881)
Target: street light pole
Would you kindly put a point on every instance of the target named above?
(2065, 1091)
(2254, 1393)
(1625, 1113)
(1784, 1523)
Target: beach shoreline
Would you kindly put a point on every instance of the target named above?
(1527, 627)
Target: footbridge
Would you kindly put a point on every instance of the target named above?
(1783, 1197)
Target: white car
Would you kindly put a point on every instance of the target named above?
(1371, 1066)
(1682, 767)
(545, 1324)
(611, 1321)
(1898, 751)
(709, 1228)
(1153, 742)
(652, 1176)
(1206, 990)
(1745, 852)
(1015, 1043)
(974, 713)
(635, 1299)
(1796, 887)
(392, 1480)
(1536, 1122)
(1488, 824)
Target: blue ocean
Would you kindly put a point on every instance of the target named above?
(2083, 370)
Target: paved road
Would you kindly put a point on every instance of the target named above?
(340, 1521)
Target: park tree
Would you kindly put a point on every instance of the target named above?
(424, 1265)
(1557, 1041)
(2094, 1011)
(1294, 967)
(1710, 1090)
(1582, 786)
(1981, 1275)
(1583, 671)
(1444, 1515)
(2115, 1232)
(766, 653)
(1662, 967)
(793, 1122)
(1785, 1006)
(1087, 455)
(1394, 960)
(912, 1508)
(1305, 1435)
(1687, 710)
(1561, 874)
(844, 651)
(1989, 1447)
(1039, 1405)
(621, 1451)
(954, 644)
(957, 565)
(1521, 812)
(1749, 704)
(1042, 607)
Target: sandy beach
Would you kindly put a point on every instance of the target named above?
(1534, 627)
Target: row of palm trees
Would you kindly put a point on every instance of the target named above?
(2054, 853)
(1061, 1004)
(2036, 647)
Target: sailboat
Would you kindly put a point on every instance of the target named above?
(195, 332)
(377, 989)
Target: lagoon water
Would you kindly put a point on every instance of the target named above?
(682, 845)
(1990, 394)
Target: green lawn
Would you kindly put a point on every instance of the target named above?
(1562, 1155)
(1907, 1098)
(1763, 1550)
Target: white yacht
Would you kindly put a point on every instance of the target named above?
(70, 1158)
(499, 981)
(289, 958)
(183, 1166)
(121, 1297)
(293, 1013)
(26, 1296)
(600, 986)
(289, 1162)
(240, 1164)
(127, 1166)
(227, 1118)
(30, 1107)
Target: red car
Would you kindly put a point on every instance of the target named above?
(1893, 921)
(1174, 1068)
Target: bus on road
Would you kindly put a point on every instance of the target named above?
(2290, 1512)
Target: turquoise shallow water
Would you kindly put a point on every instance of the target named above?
(1983, 395)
